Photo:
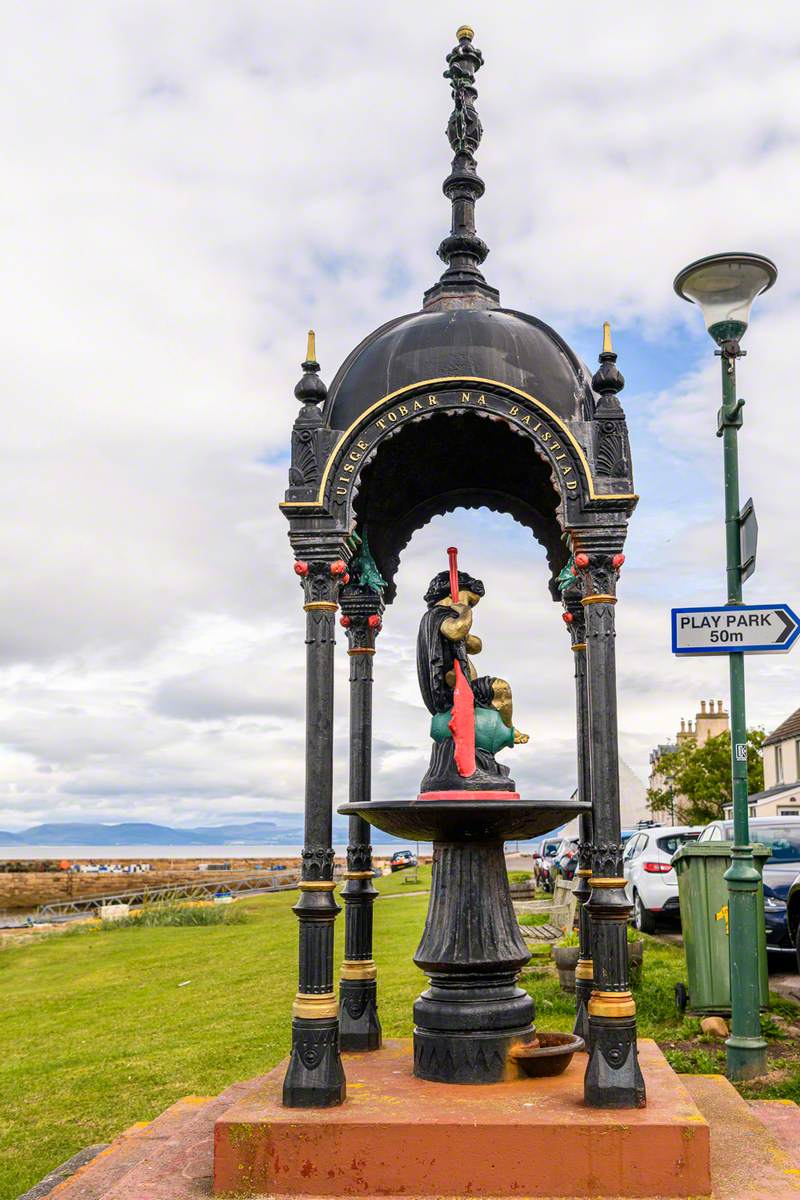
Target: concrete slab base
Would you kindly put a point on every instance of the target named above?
(398, 1135)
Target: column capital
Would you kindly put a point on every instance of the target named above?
(598, 572)
(362, 617)
(321, 580)
(575, 618)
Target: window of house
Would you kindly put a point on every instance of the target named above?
(788, 812)
(779, 764)
(797, 759)
(752, 810)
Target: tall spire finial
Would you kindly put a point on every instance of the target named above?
(462, 285)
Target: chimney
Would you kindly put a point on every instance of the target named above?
(702, 706)
(683, 725)
(719, 706)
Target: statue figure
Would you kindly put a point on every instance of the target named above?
(445, 638)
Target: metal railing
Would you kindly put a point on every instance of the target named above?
(241, 885)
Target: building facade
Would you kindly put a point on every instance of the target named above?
(781, 795)
(710, 721)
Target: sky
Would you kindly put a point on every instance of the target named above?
(188, 188)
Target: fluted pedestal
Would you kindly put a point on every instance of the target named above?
(472, 951)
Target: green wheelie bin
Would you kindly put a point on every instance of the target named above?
(703, 895)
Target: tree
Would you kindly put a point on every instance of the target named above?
(697, 779)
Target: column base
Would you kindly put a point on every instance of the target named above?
(613, 1076)
(359, 1025)
(746, 1057)
(315, 1078)
(470, 1057)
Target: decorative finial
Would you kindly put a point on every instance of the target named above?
(311, 389)
(608, 379)
(462, 285)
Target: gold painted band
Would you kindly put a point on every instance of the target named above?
(362, 650)
(357, 875)
(359, 969)
(600, 598)
(611, 1004)
(584, 969)
(326, 605)
(315, 1007)
(316, 885)
(598, 882)
(578, 646)
(584, 874)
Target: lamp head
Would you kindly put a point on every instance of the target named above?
(725, 286)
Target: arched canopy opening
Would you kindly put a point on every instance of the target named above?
(454, 460)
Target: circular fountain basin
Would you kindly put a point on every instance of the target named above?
(465, 820)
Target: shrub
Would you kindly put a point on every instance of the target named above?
(569, 939)
(519, 876)
(172, 912)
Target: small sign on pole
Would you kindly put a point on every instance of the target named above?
(734, 629)
(748, 539)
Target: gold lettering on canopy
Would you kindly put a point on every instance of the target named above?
(517, 413)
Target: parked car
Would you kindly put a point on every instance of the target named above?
(652, 885)
(402, 859)
(793, 916)
(545, 877)
(781, 835)
(565, 859)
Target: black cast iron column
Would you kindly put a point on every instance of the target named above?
(584, 975)
(315, 1078)
(472, 951)
(613, 1078)
(360, 1028)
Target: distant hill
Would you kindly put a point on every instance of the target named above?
(129, 833)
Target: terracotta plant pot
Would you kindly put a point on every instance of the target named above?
(566, 958)
(635, 962)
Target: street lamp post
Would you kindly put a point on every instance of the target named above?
(725, 286)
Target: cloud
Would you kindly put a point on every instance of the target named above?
(188, 188)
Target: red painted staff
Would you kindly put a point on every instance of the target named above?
(462, 722)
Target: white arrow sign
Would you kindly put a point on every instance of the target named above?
(734, 628)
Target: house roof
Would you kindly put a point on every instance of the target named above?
(789, 728)
(757, 797)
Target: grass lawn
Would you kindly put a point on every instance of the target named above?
(102, 1029)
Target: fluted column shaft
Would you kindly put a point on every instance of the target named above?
(613, 1078)
(315, 1078)
(360, 1028)
(584, 976)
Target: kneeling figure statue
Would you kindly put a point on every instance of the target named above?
(444, 644)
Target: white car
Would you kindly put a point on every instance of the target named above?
(652, 885)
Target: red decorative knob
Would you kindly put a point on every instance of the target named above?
(567, 618)
(345, 578)
(374, 621)
(345, 622)
(300, 567)
(617, 561)
(581, 560)
(339, 567)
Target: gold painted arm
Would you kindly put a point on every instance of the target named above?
(456, 628)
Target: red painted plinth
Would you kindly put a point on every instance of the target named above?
(397, 1136)
(464, 795)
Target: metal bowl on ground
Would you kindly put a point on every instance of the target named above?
(548, 1054)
